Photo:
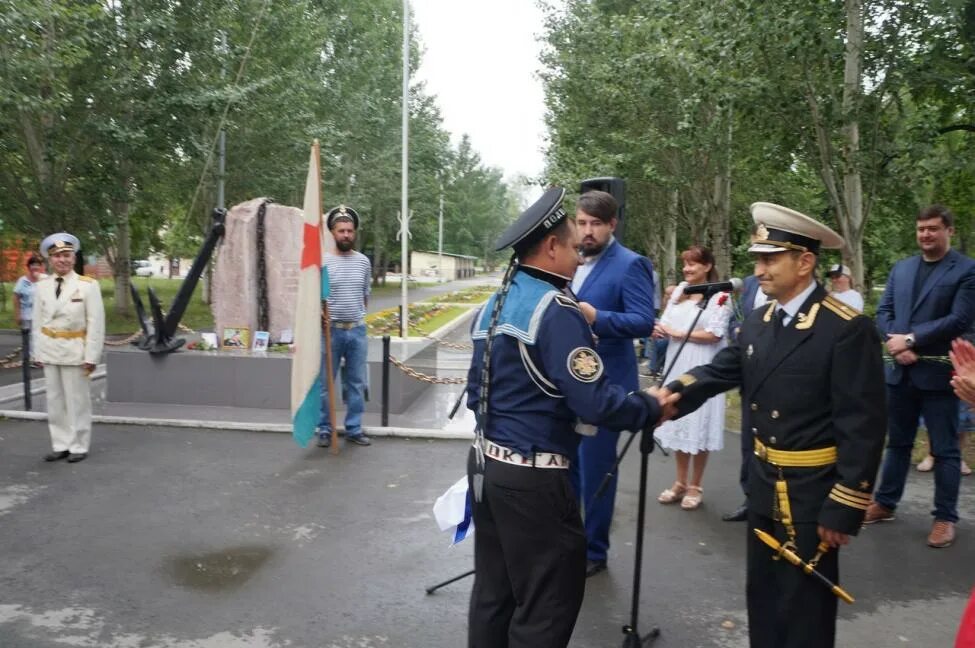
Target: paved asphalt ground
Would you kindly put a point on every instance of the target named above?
(169, 538)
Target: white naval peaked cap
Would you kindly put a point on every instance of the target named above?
(780, 229)
(58, 243)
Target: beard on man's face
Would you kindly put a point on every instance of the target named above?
(591, 247)
(344, 246)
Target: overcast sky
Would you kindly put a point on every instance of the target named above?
(481, 60)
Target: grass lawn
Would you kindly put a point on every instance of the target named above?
(197, 315)
(733, 422)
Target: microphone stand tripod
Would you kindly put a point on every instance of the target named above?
(631, 632)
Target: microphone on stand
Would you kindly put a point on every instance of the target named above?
(730, 285)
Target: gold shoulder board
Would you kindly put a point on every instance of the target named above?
(838, 307)
(84, 278)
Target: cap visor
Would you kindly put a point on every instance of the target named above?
(765, 248)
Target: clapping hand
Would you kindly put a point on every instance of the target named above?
(962, 356)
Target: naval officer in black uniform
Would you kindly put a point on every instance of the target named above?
(536, 382)
(812, 376)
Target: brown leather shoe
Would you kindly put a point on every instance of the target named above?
(942, 534)
(877, 513)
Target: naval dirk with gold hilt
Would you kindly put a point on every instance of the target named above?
(793, 558)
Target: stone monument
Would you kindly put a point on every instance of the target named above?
(237, 276)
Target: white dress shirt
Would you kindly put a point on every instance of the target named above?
(792, 306)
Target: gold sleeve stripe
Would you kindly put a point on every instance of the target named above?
(843, 311)
(853, 494)
(687, 380)
(836, 497)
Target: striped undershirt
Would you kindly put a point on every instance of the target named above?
(349, 277)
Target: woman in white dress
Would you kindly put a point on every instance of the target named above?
(695, 435)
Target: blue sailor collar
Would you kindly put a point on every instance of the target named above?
(522, 312)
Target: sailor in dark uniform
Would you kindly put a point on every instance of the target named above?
(812, 377)
(536, 382)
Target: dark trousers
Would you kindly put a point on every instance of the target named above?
(529, 558)
(596, 457)
(786, 607)
(905, 405)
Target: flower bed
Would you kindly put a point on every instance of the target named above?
(475, 295)
(425, 317)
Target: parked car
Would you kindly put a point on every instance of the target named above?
(142, 268)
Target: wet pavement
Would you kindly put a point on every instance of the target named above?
(170, 538)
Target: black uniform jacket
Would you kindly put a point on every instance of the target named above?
(818, 383)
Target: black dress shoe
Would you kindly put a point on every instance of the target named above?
(740, 514)
(75, 458)
(593, 567)
(56, 456)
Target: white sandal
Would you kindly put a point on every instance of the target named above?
(690, 501)
(673, 494)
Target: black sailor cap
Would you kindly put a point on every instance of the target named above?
(341, 213)
(535, 222)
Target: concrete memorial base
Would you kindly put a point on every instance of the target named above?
(252, 380)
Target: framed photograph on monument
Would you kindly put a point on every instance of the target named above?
(235, 337)
(261, 340)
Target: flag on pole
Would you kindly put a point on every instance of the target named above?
(306, 364)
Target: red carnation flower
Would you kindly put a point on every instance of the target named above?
(722, 299)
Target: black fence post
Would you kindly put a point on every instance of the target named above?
(25, 366)
(385, 419)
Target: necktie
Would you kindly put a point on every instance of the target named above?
(57, 291)
(778, 322)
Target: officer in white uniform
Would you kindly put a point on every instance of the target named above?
(68, 334)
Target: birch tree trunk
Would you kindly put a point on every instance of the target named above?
(852, 216)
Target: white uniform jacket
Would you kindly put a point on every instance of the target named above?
(70, 329)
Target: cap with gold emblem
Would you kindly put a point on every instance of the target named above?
(780, 229)
(341, 213)
(59, 243)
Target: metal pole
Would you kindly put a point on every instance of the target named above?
(404, 326)
(440, 236)
(25, 360)
(385, 419)
(221, 167)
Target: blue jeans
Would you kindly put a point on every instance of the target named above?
(905, 405)
(659, 355)
(349, 348)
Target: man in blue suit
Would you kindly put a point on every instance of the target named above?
(929, 301)
(614, 286)
(751, 298)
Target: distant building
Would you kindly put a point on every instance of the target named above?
(455, 266)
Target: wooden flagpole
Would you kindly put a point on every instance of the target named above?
(327, 329)
(326, 319)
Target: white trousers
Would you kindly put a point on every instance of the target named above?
(68, 407)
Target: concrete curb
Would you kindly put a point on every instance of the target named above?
(237, 426)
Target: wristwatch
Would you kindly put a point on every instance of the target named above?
(909, 340)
